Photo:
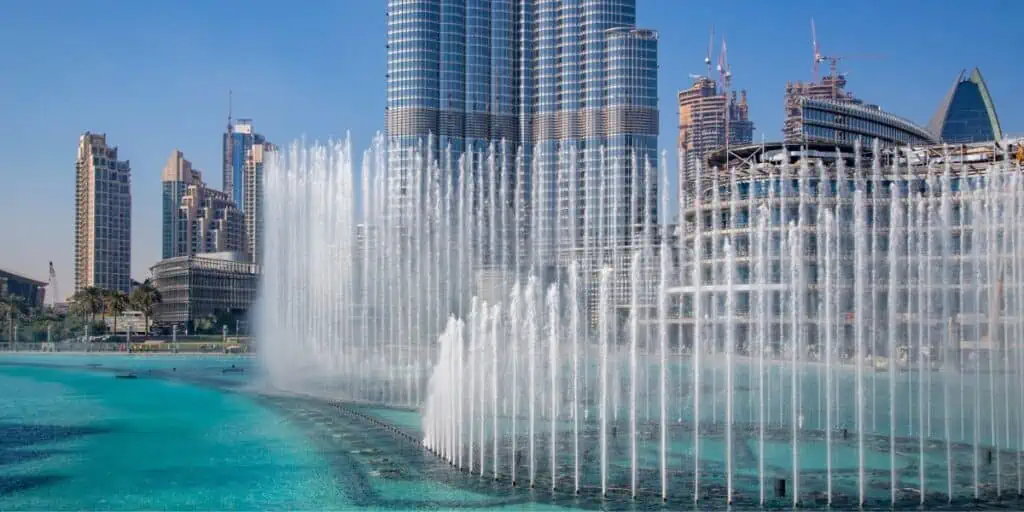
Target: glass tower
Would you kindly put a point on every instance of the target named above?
(559, 80)
(238, 141)
(967, 113)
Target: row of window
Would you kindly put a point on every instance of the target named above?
(813, 187)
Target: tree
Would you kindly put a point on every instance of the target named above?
(143, 297)
(88, 301)
(116, 302)
(12, 308)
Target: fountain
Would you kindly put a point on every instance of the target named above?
(843, 335)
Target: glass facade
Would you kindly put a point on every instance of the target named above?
(193, 287)
(173, 191)
(562, 80)
(967, 114)
(847, 123)
(238, 141)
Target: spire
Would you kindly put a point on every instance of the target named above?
(229, 110)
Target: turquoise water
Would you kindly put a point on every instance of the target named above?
(200, 432)
(82, 439)
(187, 435)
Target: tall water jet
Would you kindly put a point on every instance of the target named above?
(604, 307)
(799, 316)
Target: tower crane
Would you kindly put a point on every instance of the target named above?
(833, 61)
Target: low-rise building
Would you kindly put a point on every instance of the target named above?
(33, 291)
(221, 286)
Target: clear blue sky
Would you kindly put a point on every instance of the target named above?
(154, 76)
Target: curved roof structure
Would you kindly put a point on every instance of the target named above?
(967, 113)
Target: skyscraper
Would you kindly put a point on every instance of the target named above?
(252, 197)
(703, 110)
(197, 218)
(103, 222)
(238, 140)
(967, 113)
(177, 176)
(558, 79)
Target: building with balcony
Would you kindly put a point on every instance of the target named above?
(708, 119)
(252, 196)
(177, 176)
(197, 218)
(103, 216)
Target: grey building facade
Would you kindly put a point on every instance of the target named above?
(198, 286)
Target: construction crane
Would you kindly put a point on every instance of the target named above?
(53, 287)
(707, 58)
(833, 60)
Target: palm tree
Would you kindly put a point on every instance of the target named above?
(143, 297)
(116, 302)
(88, 301)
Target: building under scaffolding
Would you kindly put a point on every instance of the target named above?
(826, 112)
(761, 240)
(709, 120)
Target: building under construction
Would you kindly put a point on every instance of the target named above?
(831, 87)
(710, 119)
(825, 112)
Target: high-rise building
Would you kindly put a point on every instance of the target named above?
(252, 197)
(825, 112)
(557, 79)
(197, 218)
(177, 176)
(967, 113)
(703, 110)
(103, 216)
(238, 140)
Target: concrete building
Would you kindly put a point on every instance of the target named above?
(825, 112)
(252, 197)
(237, 142)
(197, 218)
(194, 287)
(703, 127)
(560, 80)
(210, 221)
(967, 113)
(103, 209)
(31, 290)
(796, 186)
(177, 176)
